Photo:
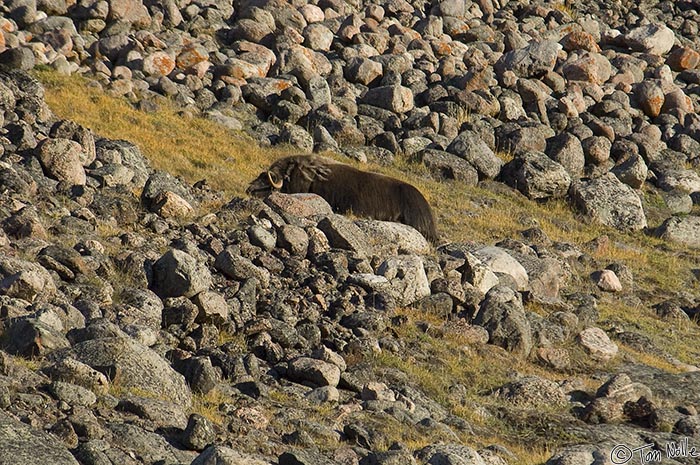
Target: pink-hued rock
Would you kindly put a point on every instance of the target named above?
(158, 64)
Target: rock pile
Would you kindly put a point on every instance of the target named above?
(133, 312)
(590, 101)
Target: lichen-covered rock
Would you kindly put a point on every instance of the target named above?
(610, 202)
(682, 230)
(598, 344)
(133, 366)
(536, 176)
(21, 444)
(177, 273)
(503, 316)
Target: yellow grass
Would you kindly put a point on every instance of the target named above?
(191, 147)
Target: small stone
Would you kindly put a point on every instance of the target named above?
(62, 159)
(598, 344)
(608, 281)
(683, 58)
(199, 433)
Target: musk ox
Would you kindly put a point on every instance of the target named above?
(348, 189)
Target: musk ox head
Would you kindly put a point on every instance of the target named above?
(291, 175)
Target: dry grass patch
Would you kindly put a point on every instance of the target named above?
(191, 147)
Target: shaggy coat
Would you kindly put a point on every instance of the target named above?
(348, 189)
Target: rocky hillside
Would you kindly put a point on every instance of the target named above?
(147, 319)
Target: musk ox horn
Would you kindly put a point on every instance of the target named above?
(276, 185)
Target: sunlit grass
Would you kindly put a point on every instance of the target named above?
(191, 147)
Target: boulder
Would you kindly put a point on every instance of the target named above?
(503, 316)
(537, 176)
(131, 365)
(177, 273)
(607, 200)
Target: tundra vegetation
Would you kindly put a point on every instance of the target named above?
(153, 313)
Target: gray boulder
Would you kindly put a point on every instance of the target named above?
(534, 60)
(220, 455)
(62, 160)
(177, 273)
(449, 454)
(537, 176)
(133, 366)
(655, 39)
(445, 165)
(533, 392)
(609, 201)
(471, 147)
(317, 372)
(407, 277)
(567, 150)
(395, 98)
(503, 316)
(21, 444)
(682, 230)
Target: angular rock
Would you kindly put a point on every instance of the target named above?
(199, 433)
(567, 150)
(589, 67)
(395, 98)
(235, 266)
(532, 61)
(170, 205)
(344, 234)
(406, 274)
(177, 273)
(607, 200)
(536, 176)
(220, 455)
(470, 146)
(503, 316)
(362, 70)
(633, 171)
(597, 344)
(500, 261)
(317, 372)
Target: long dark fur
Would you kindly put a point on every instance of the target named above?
(348, 189)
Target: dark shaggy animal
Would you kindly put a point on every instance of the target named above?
(348, 189)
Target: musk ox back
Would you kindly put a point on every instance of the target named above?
(348, 189)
